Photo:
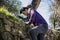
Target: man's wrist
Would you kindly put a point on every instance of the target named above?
(26, 22)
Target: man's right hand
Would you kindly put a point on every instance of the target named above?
(26, 23)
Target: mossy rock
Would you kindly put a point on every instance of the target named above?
(52, 34)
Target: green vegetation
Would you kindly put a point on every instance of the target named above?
(10, 15)
(13, 6)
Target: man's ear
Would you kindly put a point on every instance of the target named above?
(26, 9)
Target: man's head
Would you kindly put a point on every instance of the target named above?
(24, 10)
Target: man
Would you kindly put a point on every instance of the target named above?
(41, 26)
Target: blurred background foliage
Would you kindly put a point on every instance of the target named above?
(11, 5)
(55, 16)
(7, 13)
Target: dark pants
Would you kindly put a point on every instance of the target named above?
(38, 32)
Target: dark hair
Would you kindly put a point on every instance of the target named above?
(23, 9)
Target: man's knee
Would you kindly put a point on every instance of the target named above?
(31, 31)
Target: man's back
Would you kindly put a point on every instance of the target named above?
(37, 19)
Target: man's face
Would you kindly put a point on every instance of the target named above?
(25, 12)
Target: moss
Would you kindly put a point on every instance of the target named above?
(10, 15)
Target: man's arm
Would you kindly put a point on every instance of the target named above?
(32, 17)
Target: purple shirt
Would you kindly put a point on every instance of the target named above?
(35, 18)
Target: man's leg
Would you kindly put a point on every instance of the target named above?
(42, 29)
(40, 36)
(33, 34)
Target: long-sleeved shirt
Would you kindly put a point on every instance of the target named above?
(35, 18)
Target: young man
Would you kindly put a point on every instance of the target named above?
(41, 26)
